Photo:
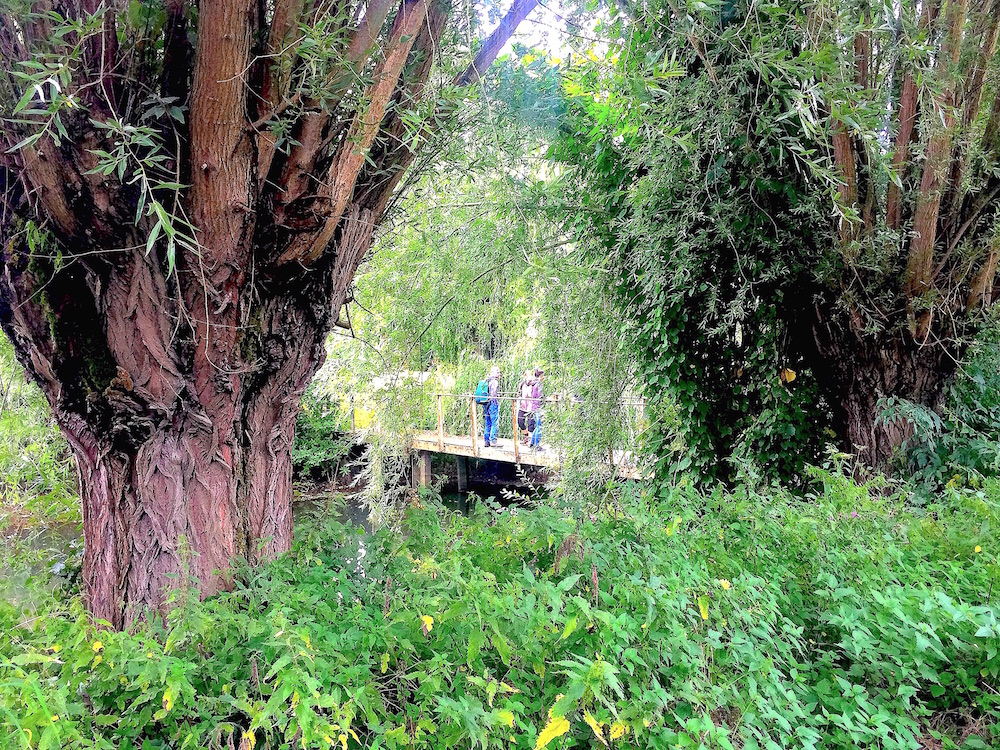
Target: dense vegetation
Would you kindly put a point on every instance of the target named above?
(709, 224)
(675, 620)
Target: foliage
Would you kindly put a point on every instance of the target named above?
(711, 145)
(705, 229)
(36, 479)
(684, 619)
(959, 446)
(322, 441)
(496, 283)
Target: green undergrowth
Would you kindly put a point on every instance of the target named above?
(684, 620)
(39, 506)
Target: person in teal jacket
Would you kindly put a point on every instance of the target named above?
(491, 409)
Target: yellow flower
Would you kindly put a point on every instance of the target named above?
(725, 584)
(55, 718)
(978, 549)
(55, 648)
(97, 646)
(427, 623)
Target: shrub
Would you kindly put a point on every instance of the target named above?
(680, 620)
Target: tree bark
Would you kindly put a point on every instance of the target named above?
(856, 370)
(176, 368)
(174, 489)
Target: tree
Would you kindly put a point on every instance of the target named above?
(713, 154)
(917, 237)
(188, 190)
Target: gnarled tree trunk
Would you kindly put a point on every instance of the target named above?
(170, 487)
(857, 370)
(174, 307)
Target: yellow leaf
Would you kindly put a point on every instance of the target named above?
(787, 375)
(249, 740)
(507, 717)
(592, 723)
(97, 646)
(552, 715)
(618, 729)
(725, 584)
(97, 660)
(168, 699)
(55, 648)
(385, 661)
(555, 728)
(703, 606)
(428, 623)
(343, 740)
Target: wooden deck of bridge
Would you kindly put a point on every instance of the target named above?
(428, 442)
(504, 450)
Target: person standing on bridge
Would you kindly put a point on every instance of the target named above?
(491, 409)
(537, 399)
(525, 419)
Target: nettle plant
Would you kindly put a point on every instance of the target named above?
(188, 190)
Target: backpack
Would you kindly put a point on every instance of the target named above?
(482, 392)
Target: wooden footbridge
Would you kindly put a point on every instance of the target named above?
(508, 450)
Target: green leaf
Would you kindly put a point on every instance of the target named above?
(569, 582)
(570, 628)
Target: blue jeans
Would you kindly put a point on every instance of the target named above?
(491, 415)
(536, 436)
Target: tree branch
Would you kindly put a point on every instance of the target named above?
(919, 267)
(351, 153)
(909, 102)
(221, 150)
(496, 41)
(296, 173)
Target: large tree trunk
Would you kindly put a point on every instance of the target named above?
(180, 473)
(155, 516)
(857, 370)
(174, 307)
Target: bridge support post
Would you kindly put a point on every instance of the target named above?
(463, 473)
(421, 469)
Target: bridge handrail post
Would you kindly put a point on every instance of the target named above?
(440, 423)
(475, 427)
(517, 453)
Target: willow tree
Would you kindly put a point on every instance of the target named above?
(802, 200)
(914, 126)
(188, 190)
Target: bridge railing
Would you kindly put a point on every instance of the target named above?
(470, 423)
